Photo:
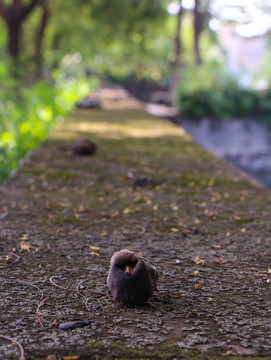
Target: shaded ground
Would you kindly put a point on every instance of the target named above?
(206, 227)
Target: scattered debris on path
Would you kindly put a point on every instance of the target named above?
(205, 226)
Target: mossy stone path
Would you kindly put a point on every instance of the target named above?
(206, 227)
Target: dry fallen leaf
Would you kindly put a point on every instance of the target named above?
(63, 204)
(197, 286)
(24, 246)
(155, 207)
(51, 357)
(199, 261)
(127, 211)
(95, 247)
(217, 247)
(228, 352)
(82, 209)
(114, 214)
(215, 197)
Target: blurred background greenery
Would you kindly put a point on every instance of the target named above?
(213, 56)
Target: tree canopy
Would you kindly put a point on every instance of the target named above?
(116, 37)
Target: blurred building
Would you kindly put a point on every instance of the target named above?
(245, 53)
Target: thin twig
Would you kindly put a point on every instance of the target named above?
(39, 321)
(36, 287)
(143, 230)
(59, 286)
(40, 305)
(93, 291)
(77, 288)
(17, 258)
(17, 343)
(26, 283)
(86, 303)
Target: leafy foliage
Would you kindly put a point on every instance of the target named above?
(114, 37)
(209, 91)
(109, 38)
(27, 115)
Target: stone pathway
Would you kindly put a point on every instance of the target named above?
(206, 227)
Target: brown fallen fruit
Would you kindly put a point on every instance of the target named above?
(84, 147)
(131, 278)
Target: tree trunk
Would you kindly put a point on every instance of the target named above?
(177, 62)
(14, 35)
(177, 39)
(14, 15)
(39, 39)
(198, 26)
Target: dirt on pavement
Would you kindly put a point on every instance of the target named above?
(204, 224)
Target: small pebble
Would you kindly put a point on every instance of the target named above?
(73, 324)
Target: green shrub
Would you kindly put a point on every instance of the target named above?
(28, 113)
(207, 91)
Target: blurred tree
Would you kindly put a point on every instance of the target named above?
(117, 37)
(113, 37)
(15, 14)
(39, 38)
(200, 12)
(177, 38)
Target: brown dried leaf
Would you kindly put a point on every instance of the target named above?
(24, 246)
(199, 261)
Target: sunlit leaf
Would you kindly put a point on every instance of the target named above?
(199, 261)
(95, 247)
(25, 246)
(94, 253)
